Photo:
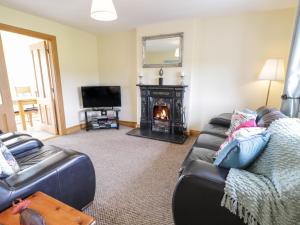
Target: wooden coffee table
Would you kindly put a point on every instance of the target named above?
(53, 211)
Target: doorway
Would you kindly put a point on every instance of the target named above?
(29, 79)
(30, 88)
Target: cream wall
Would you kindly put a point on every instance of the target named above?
(228, 59)
(222, 59)
(77, 52)
(117, 66)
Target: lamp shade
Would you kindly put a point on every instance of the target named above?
(272, 70)
(103, 10)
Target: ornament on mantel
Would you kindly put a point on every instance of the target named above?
(182, 75)
(161, 78)
(141, 78)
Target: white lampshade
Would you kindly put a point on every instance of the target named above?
(103, 10)
(272, 70)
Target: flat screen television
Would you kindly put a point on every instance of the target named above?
(101, 96)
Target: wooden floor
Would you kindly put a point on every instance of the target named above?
(34, 130)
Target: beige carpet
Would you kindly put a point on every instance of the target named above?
(135, 176)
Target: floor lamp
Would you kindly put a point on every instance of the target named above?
(273, 70)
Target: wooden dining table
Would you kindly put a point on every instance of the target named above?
(22, 102)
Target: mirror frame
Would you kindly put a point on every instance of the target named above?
(163, 36)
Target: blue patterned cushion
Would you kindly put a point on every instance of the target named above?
(8, 164)
(241, 152)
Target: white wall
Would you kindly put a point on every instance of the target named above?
(228, 58)
(77, 52)
(117, 66)
(222, 59)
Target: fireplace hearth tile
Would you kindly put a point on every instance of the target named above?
(147, 133)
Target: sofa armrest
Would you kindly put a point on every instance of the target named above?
(198, 195)
(7, 136)
(21, 145)
(207, 172)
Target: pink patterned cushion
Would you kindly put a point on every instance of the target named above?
(239, 118)
(249, 123)
(242, 132)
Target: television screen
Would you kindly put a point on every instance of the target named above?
(101, 96)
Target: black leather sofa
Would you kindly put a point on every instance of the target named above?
(66, 175)
(200, 187)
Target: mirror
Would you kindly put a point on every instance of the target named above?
(163, 51)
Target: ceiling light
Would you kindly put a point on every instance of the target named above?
(103, 10)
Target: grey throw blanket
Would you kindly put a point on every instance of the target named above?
(268, 193)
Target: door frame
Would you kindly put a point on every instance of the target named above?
(58, 98)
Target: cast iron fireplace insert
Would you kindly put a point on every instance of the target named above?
(162, 113)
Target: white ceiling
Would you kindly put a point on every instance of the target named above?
(133, 13)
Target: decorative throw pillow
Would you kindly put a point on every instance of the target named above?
(270, 117)
(8, 164)
(242, 152)
(243, 132)
(239, 118)
(250, 111)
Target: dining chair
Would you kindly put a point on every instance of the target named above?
(26, 92)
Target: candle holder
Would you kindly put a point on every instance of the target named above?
(141, 80)
(182, 75)
(161, 77)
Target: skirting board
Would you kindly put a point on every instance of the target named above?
(131, 124)
(128, 123)
(195, 133)
(74, 129)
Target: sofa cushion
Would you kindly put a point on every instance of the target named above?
(199, 154)
(239, 118)
(261, 111)
(241, 152)
(209, 141)
(270, 117)
(7, 136)
(223, 119)
(241, 133)
(215, 130)
(8, 164)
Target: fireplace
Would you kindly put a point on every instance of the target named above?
(162, 113)
(161, 118)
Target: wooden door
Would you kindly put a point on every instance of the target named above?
(7, 116)
(44, 85)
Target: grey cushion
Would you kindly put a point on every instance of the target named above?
(223, 119)
(268, 118)
(215, 130)
(263, 110)
(203, 154)
(209, 141)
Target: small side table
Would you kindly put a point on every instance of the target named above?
(53, 211)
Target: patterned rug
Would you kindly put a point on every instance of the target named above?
(135, 176)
